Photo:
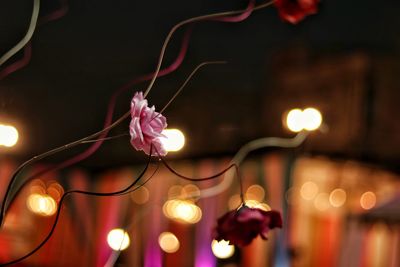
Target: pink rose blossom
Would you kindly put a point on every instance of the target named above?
(240, 227)
(146, 126)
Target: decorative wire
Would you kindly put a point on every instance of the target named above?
(28, 35)
(124, 191)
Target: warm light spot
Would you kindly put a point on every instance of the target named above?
(321, 202)
(174, 140)
(175, 191)
(368, 200)
(41, 204)
(255, 192)
(312, 119)
(252, 203)
(309, 190)
(190, 191)
(337, 197)
(309, 119)
(118, 239)
(168, 242)
(222, 249)
(182, 211)
(263, 206)
(234, 202)
(141, 195)
(8, 135)
(294, 120)
(55, 190)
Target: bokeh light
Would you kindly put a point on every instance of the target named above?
(294, 120)
(182, 211)
(337, 197)
(118, 239)
(8, 135)
(312, 119)
(234, 202)
(141, 195)
(309, 119)
(222, 249)
(321, 202)
(174, 140)
(255, 192)
(309, 190)
(168, 242)
(41, 204)
(368, 200)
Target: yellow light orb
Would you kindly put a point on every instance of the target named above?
(174, 140)
(168, 242)
(222, 249)
(8, 135)
(182, 211)
(118, 239)
(294, 120)
(255, 192)
(337, 197)
(368, 200)
(312, 119)
(309, 190)
(234, 202)
(140, 196)
(41, 204)
(321, 202)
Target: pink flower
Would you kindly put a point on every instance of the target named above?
(146, 126)
(240, 227)
(294, 11)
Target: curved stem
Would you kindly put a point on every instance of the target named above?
(89, 193)
(192, 20)
(243, 152)
(49, 153)
(28, 35)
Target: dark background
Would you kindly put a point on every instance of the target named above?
(344, 61)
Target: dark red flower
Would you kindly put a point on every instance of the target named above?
(240, 227)
(294, 11)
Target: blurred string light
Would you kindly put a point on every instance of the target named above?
(168, 242)
(141, 195)
(368, 200)
(309, 119)
(174, 140)
(309, 190)
(43, 199)
(8, 135)
(255, 192)
(118, 239)
(182, 211)
(222, 249)
(337, 197)
(41, 204)
(321, 202)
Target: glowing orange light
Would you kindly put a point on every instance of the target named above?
(368, 200)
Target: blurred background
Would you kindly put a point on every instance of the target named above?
(338, 191)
